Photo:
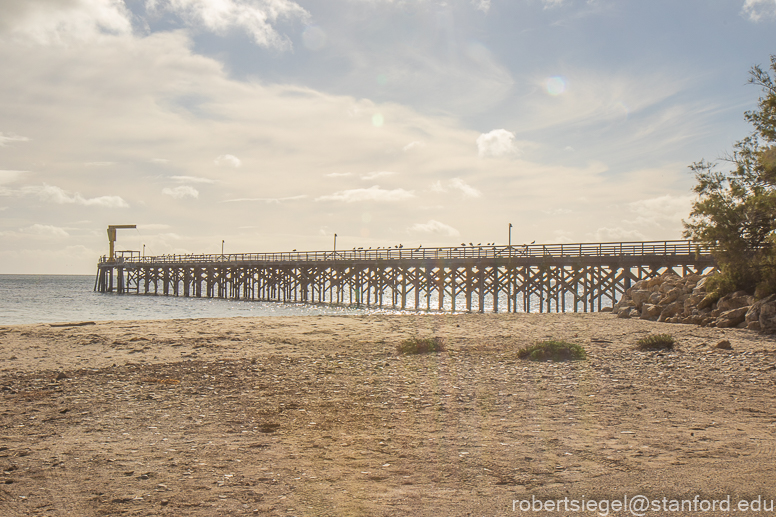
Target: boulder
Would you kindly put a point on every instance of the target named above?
(768, 315)
(707, 301)
(700, 287)
(639, 297)
(670, 311)
(732, 318)
(734, 301)
(649, 311)
(623, 312)
(654, 298)
(671, 296)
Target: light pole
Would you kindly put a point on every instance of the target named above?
(510, 305)
(143, 250)
(222, 249)
(335, 246)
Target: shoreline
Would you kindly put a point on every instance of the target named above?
(315, 415)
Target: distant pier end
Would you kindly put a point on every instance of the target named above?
(526, 278)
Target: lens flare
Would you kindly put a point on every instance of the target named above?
(556, 85)
(377, 120)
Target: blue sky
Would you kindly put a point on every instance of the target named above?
(273, 124)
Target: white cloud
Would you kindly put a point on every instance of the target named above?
(45, 229)
(62, 197)
(374, 193)
(481, 5)
(497, 143)
(456, 184)
(435, 227)
(413, 145)
(374, 175)
(617, 234)
(192, 179)
(667, 207)
(256, 17)
(273, 200)
(338, 174)
(98, 164)
(228, 159)
(757, 10)
(153, 226)
(9, 176)
(161, 161)
(57, 21)
(181, 192)
(5, 139)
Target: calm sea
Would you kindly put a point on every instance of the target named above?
(65, 298)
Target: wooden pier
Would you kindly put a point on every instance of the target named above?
(527, 278)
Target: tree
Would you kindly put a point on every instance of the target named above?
(735, 215)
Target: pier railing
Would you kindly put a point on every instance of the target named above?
(601, 249)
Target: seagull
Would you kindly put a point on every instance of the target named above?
(533, 242)
(463, 244)
(470, 244)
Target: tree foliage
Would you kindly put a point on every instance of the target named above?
(735, 215)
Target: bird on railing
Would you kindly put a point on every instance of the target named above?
(533, 242)
(470, 244)
(463, 244)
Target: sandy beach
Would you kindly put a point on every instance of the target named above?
(319, 416)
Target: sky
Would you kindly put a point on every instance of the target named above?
(271, 125)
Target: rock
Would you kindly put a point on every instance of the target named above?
(700, 287)
(60, 376)
(670, 311)
(624, 312)
(707, 301)
(639, 297)
(634, 313)
(693, 300)
(649, 311)
(671, 296)
(606, 309)
(734, 301)
(654, 298)
(732, 318)
(754, 314)
(768, 316)
(724, 345)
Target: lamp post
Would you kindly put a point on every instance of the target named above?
(143, 250)
(222, 249)
(510, 305)
(335, 246)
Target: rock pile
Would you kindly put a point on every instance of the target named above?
(674, 299)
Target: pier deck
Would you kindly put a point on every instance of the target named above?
(538, 277)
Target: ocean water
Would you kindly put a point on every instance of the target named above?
(70, 298)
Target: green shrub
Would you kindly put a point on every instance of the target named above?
(552, 350)
(656, 342)
(421, 345)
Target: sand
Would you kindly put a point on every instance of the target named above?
(320, 416)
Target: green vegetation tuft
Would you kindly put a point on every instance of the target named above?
(553, 350)
(656, 342)
(421, 345)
